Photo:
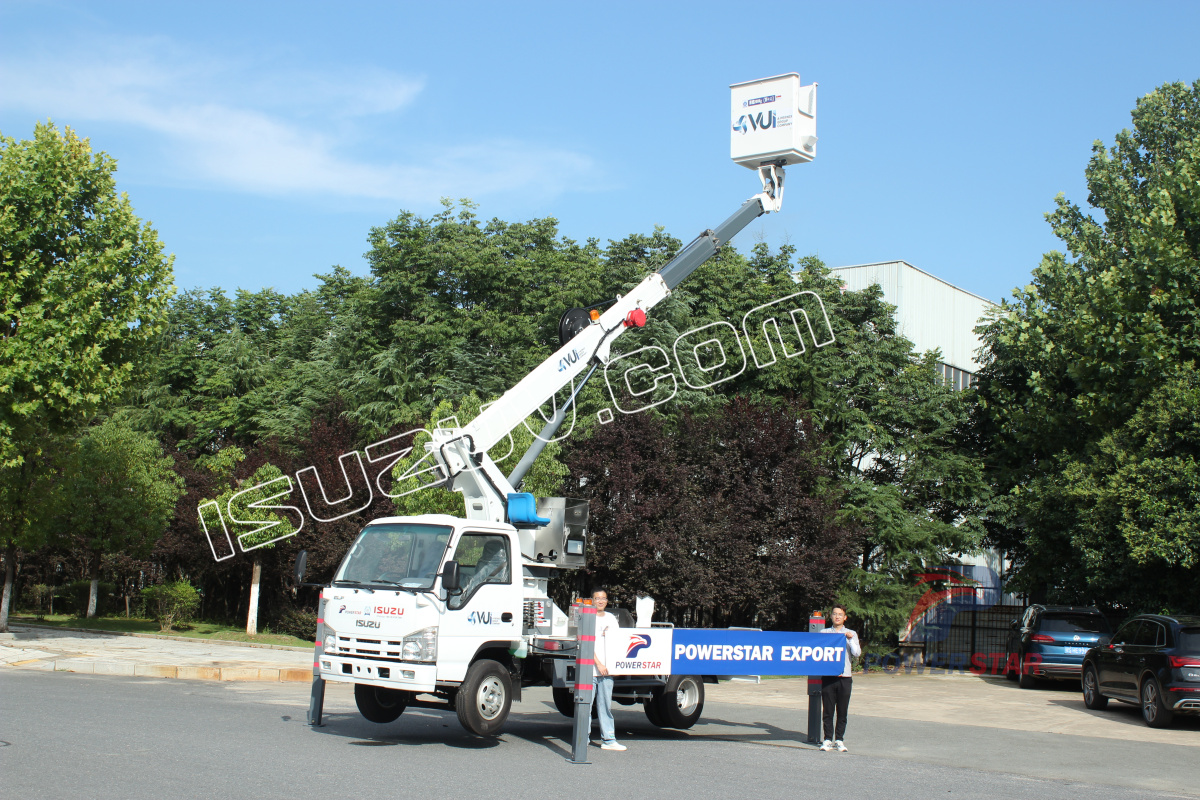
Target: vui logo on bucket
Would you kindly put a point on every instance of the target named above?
(754, 122)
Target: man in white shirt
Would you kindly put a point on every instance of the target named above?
(605, 624)
(835, 689)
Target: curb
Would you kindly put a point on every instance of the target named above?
(130, 670)
(192, 639)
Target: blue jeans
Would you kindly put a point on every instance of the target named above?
(603, 700)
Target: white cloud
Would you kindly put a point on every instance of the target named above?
(262, 129)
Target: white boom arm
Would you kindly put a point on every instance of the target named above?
(462, 452)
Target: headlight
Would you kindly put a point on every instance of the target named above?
(420, 646)
(330, 639)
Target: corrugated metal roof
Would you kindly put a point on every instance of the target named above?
(930, 312)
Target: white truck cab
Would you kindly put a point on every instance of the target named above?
(442, 606)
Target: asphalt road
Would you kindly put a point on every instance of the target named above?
(70, 735)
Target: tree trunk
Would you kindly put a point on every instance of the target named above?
(10, 556)
(94, 592)
(252, 615)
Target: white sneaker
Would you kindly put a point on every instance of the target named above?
(612, 746)
(841, 746)
(826, 745)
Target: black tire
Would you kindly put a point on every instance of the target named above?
(484, 699)
(380, 705)
(681, 701)
(1091, 690)
(564, 701)
(1026, 679)
(1154, 711)
(652, 714)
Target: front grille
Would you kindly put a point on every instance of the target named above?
(368, 648)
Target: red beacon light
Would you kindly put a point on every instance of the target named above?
(635, 319)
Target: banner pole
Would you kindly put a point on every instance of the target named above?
(816, 624)
(585, 689)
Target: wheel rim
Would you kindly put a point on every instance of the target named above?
(1150, 700)
(490, 698)
(1089, 686)
(687, 696)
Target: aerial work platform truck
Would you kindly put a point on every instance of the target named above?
(454, 613)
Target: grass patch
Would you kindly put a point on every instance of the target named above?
(191, 630)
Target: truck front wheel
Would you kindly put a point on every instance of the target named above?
(378, 704)
(484, 698)
(680, 704)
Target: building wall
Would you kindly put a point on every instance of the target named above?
(930, 313)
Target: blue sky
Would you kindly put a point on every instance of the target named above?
(264, 140)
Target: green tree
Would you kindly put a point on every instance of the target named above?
(83, 287)
(266, 482)
(1071, 394)
(118, 493)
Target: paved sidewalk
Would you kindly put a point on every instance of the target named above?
(152, 657)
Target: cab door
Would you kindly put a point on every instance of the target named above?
(488, 607)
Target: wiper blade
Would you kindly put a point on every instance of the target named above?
(355, 584)
(404, 587)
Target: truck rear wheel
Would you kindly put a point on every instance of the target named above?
(652, 714)
(484, 699)
(380, 705)
(681, 702)
(564, 701)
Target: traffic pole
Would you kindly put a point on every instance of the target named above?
(585, 684)
(816, 624)
(316, 703)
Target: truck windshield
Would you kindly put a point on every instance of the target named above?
(396, 554)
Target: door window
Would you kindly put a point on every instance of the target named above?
(1126, 632)
(1147, 635)
(482, 559)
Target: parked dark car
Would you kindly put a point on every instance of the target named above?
(1152, 660)
(1050, 642)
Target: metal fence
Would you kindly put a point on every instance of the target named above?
(973, 631)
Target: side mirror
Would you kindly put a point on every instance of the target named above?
(1103, 640)
(301, 566)
(450, 579)
(1014, 624)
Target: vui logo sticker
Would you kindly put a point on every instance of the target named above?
(754, 122)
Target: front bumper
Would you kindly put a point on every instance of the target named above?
(402, 675)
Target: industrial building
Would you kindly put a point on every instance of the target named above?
(936, 315)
